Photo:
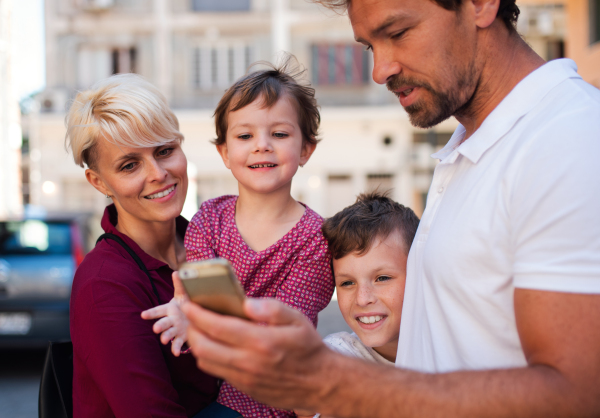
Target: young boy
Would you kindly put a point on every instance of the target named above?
(369, 243)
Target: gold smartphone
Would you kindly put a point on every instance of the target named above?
(213, 285)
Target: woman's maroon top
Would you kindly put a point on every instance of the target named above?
(120, 367)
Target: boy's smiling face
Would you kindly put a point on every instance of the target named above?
(370, 291)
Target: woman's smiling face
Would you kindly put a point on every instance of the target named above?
(149, 184)
(264, 145)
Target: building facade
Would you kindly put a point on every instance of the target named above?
(10, 128)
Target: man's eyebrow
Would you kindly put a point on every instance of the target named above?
(383, 26)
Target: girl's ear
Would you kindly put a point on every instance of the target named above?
(222, 148)
(307, 149)
(95, 180)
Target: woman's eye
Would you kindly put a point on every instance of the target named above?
(165, 151)
(128, 167)
(383, 278)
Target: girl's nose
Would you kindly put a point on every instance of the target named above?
(263, 143)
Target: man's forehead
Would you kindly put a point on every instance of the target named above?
(375, 15)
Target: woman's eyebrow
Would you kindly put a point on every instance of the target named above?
(126, 157)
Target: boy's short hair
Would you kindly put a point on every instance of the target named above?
(271, 84)
(373, 215)
(124, 109)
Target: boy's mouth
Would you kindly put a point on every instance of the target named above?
(370, 319)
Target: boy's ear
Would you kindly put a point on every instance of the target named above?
(307, 149)
(95, 180)
(222, 148)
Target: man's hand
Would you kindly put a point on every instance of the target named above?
(271, 359)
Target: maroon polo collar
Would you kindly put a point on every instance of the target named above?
(109, 224)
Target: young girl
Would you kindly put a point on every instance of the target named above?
(266, 125)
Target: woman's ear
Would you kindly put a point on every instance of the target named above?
(307, 149)
(222, 148)
(95, 180)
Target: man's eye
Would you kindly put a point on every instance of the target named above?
(398, 35)
(383, 278)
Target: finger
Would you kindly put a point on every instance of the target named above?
(272, 312)
(162, 325)
(222, 328)
(168, 335)
(176, 345)
(180, 293)
(156, 312)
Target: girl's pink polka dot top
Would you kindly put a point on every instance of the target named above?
(296, 270)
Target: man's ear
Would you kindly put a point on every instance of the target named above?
(94, 179)
(307, 149)
(485, 12)
(222, 148)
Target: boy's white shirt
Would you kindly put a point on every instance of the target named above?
(350, 345)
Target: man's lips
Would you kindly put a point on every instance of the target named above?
(407, 95)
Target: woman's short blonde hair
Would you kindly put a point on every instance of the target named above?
(124, 109)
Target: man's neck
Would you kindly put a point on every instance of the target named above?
(506, 60)
(157, 239)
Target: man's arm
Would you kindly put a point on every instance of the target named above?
(285, 364)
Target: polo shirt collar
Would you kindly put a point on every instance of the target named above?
(109, 224)
(520, 101)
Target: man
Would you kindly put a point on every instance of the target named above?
(501, 316)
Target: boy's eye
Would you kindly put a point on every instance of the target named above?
(346, 283)
(383, 278)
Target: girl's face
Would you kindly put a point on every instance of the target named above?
(149, 184)
(264, 146)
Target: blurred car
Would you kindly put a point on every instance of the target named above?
(38, 259)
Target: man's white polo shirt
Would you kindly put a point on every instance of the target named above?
(517, 205)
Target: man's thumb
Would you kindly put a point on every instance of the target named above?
(272, 312)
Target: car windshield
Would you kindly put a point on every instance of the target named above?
(35, 237)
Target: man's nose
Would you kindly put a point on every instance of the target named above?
(384, 66)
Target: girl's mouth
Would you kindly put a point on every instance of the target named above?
(254, 166)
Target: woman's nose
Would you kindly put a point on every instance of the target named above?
(156, 172)
(384, 67)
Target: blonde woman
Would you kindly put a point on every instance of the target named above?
(125, 134)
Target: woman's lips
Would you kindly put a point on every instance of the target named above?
(163, 195)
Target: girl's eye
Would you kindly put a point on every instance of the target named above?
(280, 135)
(128, 167)
(383, 278)
(245, 136)
(165, 151)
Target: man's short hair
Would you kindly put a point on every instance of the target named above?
(124, 109)
(508, 10)
(271, 84)
(373, 215)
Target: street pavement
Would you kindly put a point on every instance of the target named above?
(20, 370)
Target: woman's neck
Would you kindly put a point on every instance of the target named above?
(264, 218)
(157, 239)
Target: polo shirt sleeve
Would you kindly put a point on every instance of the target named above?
(554, 207)
(121, 353)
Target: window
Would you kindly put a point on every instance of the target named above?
(340, 193)
(220, 5)
(594, 21)
(340, 64)
(123, 60)
(381, 182)
(218, 67)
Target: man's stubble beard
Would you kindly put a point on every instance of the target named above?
(443, 104)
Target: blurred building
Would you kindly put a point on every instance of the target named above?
(194, 49)
(10, 128)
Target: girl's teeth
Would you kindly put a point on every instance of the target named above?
(370, 319)
(262, 165)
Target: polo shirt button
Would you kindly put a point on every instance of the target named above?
(440, 190)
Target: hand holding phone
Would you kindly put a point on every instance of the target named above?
(213, 285)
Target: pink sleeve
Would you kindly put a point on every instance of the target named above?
(199, 237)
(309, 285)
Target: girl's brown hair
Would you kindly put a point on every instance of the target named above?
(270, 85)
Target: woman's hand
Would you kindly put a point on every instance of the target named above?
(172, 324)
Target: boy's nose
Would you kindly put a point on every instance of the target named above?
(365, 296)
